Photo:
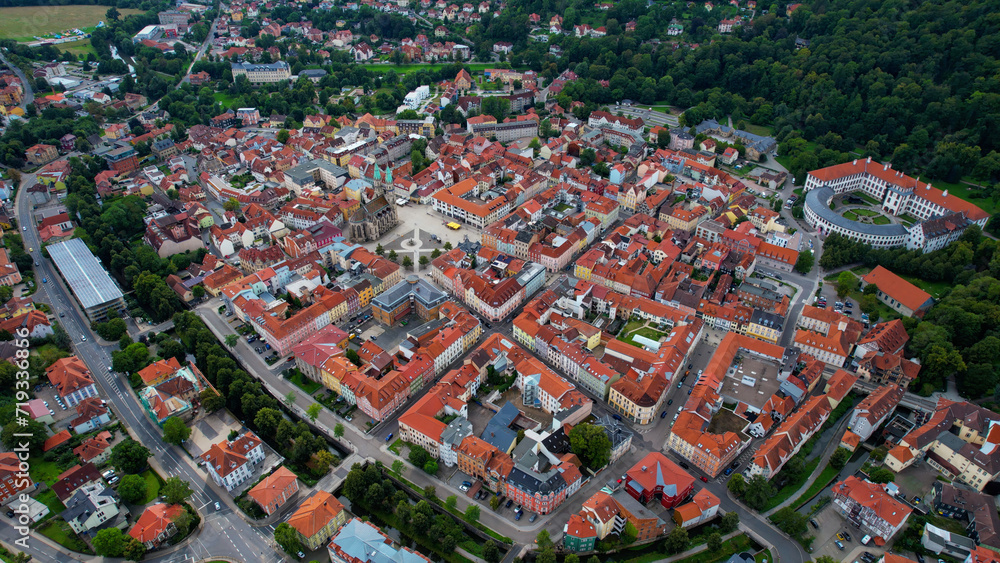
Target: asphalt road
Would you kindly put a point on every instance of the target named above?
(224, 534)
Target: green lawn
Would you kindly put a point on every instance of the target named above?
(866, 213)
(25, 22)
(868, 198)
(224, 99)
(881, 220)
(818, 485)
(934, 288)
(762, 130)
(48, 498)
(44, 471)
(153, 482)
(304, 383)
(395, 447)
(729, 548)
(764, 556)
(58, 531)
(79, 48)
(793, 486)
(965, 192)
(650, 333)
(49, 354)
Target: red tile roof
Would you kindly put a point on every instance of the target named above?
(874, 497)
(153, 521)
(911, 296)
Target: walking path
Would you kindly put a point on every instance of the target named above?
(823, 462)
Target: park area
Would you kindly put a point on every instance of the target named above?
(638, 328)
(874, 217)
(24, 23)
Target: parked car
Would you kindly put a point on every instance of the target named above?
(510, 503)
(533, 518)
(685, 465)
(517, 515)
(389, 437)
(840, 545)
(814, 523)
(728, 471)
(663, 414)
(670, 402)
(218, 506)
(847, 536)
(704, 479)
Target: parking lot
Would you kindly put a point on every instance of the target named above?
(831, 524)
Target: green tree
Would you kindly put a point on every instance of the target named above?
(407, 262)
(846, 283)
(211, 401)
(393, 256)
(729, 522)
(282, 136)
(133, 489)
(714, 541)
(571, 558)
(491, 553)
(543, 539)
(591, 444)
(338, 430)
(494, 502)
(418, 455)
(353, 356)
(231, 340)
(35, 431)
(379, 250)
(840, 458)
(451, 502)
(677, 540)
(397, 467)
(129, 457)
(109, 542)
(881, 475)
(804, 264)
(790, 522)
(868, 304)
(447, 246)
(430, 492)
(134, 549)
(546, 556)
(472, 513)
(313, 411)
(175, 431)
(737, 485)
(322, 460)
(424, 261)
(288, 538)
(175, 490)
(431, 466)
(758, 492)
(289, 398)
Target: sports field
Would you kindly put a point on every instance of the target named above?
(26, 22)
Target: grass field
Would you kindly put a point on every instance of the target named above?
(934, 288)
(223, 98)
(78, 48)
(304, 384)
(25, 22)
(58, 531)
(649, 333)
(44, 471)
(48, 498)
(152, 485)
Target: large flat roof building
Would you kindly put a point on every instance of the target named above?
(412, 294)
(258, 73)
(94, 289)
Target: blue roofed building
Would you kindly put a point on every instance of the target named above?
(362, 542)
(498, 432)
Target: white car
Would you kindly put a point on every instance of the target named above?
(218, 506)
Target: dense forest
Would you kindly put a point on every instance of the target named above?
(960, 335)
(911, 81)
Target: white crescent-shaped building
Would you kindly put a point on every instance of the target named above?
(941, 218)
